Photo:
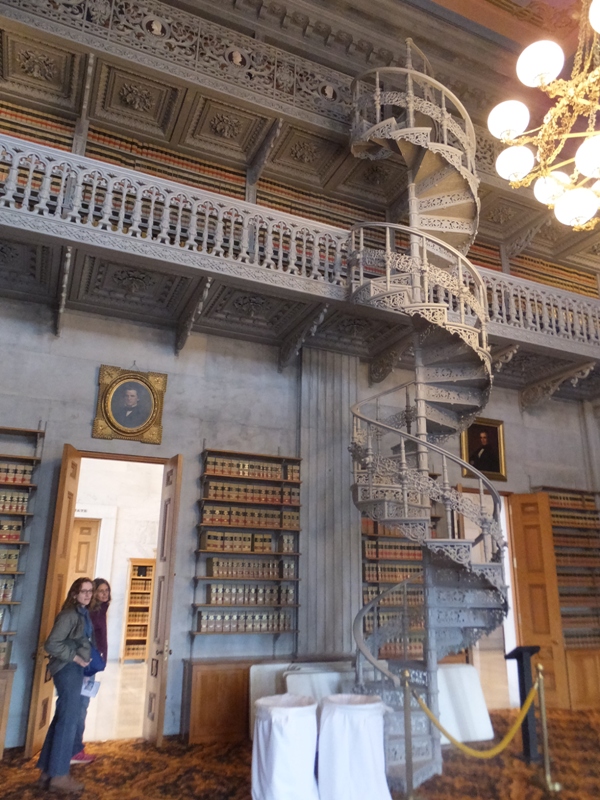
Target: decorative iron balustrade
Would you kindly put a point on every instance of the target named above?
(159, 36)
(89, 194)
(91, 198)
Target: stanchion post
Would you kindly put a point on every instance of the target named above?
(550, 784)
(408, 748)
(522, 656)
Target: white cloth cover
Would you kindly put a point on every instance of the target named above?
(284, 748)
(463, 711)
(351, 752)
(266, 680)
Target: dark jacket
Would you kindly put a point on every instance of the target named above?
(98, 617)
(67, 639)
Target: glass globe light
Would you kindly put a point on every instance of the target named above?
(508, 119)
(594, 15)
(587, 157)
(514, 163)
(547, 190)
(576, 206)
(540, 63)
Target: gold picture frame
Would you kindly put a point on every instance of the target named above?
(130, 405)
(482, 445)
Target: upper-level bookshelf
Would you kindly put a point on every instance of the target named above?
(247, 557)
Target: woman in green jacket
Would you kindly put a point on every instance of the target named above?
(69, 646)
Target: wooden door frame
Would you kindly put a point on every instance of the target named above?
(94, 454)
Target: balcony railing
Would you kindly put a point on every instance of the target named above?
(81, 201)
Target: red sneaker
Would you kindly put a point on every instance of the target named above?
(82, 758)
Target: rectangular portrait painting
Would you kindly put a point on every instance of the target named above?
(482, 446)
(130, 405)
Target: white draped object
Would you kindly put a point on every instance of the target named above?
(351, 751)
(284, 748)
(462, 707)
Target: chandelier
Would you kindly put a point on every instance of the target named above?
(565, 177)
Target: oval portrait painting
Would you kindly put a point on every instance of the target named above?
(131, 404)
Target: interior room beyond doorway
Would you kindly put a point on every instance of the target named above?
(124, 497)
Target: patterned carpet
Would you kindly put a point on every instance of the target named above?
(134, 770)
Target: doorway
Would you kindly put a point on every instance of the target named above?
(63, 547)
(121, 501)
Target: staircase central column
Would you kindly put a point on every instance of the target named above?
(420, 406)
(413, 219)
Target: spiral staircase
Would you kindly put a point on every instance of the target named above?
(401, 472)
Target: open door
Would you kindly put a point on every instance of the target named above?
(61, 555)
(536, 590)
(158, 651)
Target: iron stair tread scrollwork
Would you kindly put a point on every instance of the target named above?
(420, 271)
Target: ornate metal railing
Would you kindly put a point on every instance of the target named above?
(39, 184)
(43, 182)
(407, 259)
(414, 93)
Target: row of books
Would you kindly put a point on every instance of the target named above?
(564, 518)
(414, 597)
(7, 587)
(239, 542)
(388, 573)
(570, 559)
(5, 648)
(369, 527)
(396, 551)
(15, 473)
(12, 500)
(245, 622)
(576, 539)
(412, 649)
(242, 467)
(387, 618)
(250, 517)
(251, 493)
(243, 594)
(141, 584)
(9, 560)
(567, 499)
(10, 531)
(257, 569)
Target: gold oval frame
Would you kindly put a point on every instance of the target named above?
(108, 399)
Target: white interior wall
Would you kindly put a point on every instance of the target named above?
(125, 496)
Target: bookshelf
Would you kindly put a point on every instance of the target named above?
(20, 453)
(388, 559)
(140, 591)
(248, 545)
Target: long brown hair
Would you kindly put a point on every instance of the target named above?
(71, 601)
(98, 582)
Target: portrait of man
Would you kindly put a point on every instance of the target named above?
(131, 404)
(482, 445)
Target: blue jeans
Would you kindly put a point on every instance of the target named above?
(55, 758)
(78, 744)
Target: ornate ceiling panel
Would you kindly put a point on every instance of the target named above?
(224, 130)
(360, 335)
(138, 294)
(306, 157)
(233, 311)
(40, 71)
(28, 272)
(140, 103)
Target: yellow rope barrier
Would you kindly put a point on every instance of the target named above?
(470, 751)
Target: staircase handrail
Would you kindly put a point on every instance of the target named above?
(483, 481)
(357, 630)
(359, 83)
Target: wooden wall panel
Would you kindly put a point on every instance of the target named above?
(330, 566)
(583, 667)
